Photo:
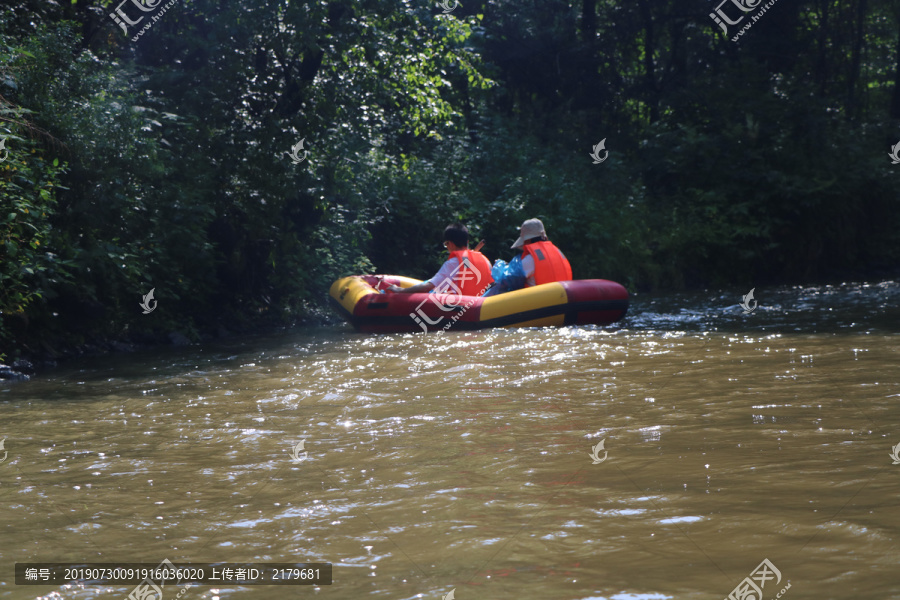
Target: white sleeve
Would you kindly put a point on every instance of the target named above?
(447, 271)
(528, 267)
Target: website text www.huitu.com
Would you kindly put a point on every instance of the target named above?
(122, 19)
(154, 19)
(754, 19)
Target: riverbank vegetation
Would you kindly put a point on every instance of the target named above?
(162, 162)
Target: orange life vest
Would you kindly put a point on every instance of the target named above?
(549, 263)
(473, 274)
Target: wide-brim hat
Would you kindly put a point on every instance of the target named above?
(530, 229)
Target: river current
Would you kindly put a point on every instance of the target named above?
(666, 456)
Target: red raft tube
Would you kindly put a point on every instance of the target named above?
(362, 303)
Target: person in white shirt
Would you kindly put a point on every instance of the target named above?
(466, 272)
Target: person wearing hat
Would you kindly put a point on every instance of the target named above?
(466, 272)
(541, 260)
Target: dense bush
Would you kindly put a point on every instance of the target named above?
(163, 162)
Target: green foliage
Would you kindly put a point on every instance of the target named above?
(28, 184)
(178, 177)
(765, 188)
(161, 161)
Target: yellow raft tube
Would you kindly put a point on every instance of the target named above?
(362, 301)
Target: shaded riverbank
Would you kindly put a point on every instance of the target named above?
(815, 308)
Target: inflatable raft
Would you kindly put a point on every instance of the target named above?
(361, 302)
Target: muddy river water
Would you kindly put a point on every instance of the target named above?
(472, 462)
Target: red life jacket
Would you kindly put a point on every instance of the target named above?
(473, 274)
(549, 263)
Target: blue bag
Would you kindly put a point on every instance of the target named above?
(507, 276)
